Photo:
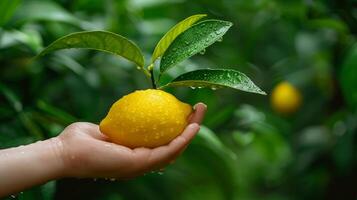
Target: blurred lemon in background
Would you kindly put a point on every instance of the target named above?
(145, 118)
(285, 98)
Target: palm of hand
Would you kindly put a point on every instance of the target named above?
(89, 153)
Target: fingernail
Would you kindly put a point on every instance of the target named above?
(204, 105)
(194, 107)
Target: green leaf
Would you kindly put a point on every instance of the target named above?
(48, 190)
(44, 11)
(99, 40)
(48, 11)
(56, 112)
(334, 24)
(193, 41)
(7, 9)
(29, 37)
(30, 125)
(11, 97)
(209, 138)
(171, 35)
(216, 78)
(348, 78)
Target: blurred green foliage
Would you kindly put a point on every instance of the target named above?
(245, 150)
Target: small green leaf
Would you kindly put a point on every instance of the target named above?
(193, 41)
(170, 36)
(99, 40)
(216, 78)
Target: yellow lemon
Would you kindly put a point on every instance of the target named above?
(285, 98)
(145, 118)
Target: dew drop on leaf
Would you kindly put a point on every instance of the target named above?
(203, 51)
(219, 31)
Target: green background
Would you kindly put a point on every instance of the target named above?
(245, 150)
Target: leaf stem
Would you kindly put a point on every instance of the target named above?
(146, 72)
(151, 70)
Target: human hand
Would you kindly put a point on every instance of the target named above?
(86, 152)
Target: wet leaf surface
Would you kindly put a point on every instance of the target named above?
(171, 35)
(215, 79)
(193, 41)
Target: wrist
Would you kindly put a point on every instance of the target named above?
(57, 155)
(25, 166)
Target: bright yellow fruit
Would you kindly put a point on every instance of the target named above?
(285, 98)
(145, 118)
